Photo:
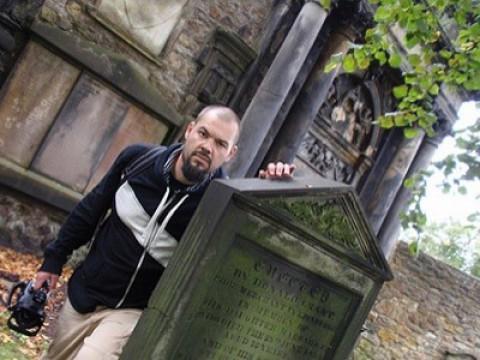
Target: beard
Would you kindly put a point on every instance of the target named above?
(194, 173)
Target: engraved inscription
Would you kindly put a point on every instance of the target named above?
(260, 307)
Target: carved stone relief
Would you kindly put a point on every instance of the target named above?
(343, 139)
(349, 112)
(324, 160)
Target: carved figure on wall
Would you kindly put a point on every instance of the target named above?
(343, 139)
(146, 25)
(349, 112)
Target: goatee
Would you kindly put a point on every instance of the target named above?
(191, 172)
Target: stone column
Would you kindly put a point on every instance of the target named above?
(383, 195)
(386, 178)
(309, 101)
(388, 235)
(274, 89)
(280, 21)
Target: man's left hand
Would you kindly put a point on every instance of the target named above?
(277, 171)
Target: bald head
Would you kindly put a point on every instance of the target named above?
(221, 112)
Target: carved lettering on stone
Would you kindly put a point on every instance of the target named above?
(261, 307)
(145, 24)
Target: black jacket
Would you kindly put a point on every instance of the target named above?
(149, 213)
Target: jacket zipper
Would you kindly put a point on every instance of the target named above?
(156, 228)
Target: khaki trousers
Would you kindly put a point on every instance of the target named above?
(97, 335)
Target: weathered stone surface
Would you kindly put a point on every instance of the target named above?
(426, 312)
(116, 69)
(137, 127)
(145, 25)
(198, 20)
(34, 94)
(25, 224)
(252, 281)
(78, 140)
(274, 89)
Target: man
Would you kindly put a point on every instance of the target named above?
(149, 211)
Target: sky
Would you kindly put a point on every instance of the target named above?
(439, 206)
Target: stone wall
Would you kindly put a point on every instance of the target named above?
(429, 311)
(176, 67)
(26, 224)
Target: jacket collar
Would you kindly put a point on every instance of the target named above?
(166, 161)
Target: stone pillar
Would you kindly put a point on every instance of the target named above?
(274, 89)
(281, 19)
(388, 235)
(386, 178)
(308, 103)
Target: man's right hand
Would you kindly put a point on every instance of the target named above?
(43, 276)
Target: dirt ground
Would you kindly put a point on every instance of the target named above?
(14, 267)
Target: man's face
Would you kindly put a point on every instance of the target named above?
(209, 143)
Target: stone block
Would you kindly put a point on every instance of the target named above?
(277, 270)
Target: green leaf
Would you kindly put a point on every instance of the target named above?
(423, 123)
(330, 67)
(383, 13)
(410, 79)
(414, 60)
(460, 78)
(434, 90)
(359, 54)
(414, 93)
(413, 248)
(349, 63)
(425, 83)
(386, 122)
(335, 60)
(411, 41)
(363, 63)
(401, 120)
(381, 57)
(409, 182)
(462, 190)
(326, 4)
(410, 132)
(445, 54)
(400, 91)
(422, 25)
(395, 60)
(412, 26)
(472, 84)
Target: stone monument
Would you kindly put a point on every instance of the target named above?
(266, 270)
(146, 25)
